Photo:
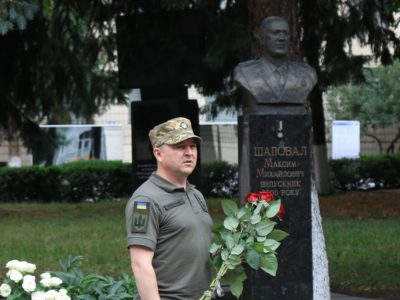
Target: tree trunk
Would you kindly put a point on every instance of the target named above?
(320, 157)
(310, 47)
(390, 149)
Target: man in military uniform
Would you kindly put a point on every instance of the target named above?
(272, 81)
(167, 221)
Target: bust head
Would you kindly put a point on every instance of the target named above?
(274, 37)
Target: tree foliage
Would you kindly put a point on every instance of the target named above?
(59, 69)
(62, 67)
(375, 102)
(15, 13)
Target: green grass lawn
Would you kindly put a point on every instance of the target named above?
(364, 255)
(44, 233)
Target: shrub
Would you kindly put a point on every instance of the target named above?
(379, 171)
(77, 181)
(219, 179)
(71, 283)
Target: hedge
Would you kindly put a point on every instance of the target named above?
(99, 180)
(72, 182)
(219, 179)
(373, 171)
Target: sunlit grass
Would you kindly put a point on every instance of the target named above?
(363, 254)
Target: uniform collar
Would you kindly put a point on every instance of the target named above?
(166, 185)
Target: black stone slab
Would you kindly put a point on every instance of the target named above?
(146, 115)
(279, 159)
(161, 48)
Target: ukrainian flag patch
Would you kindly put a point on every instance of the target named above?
(142, 205)
(140, 217)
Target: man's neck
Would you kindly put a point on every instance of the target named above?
(179, 182)
(276, 61)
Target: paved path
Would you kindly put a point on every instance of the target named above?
(335, 296)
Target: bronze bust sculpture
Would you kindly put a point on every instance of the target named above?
(274, 80)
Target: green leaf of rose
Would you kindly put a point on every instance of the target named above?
(253, 259)
(229, 242)
(236, 287)
(271, 244)
(261, 238)
(234, 279)
(234, 260)
(231, 223)
(255, 219)
(259, 247)
(264, 227)
(273, 208)
(229, 207)
(224, 254)
(277, 235)
(217, 262)
(269, 263)
(250, 240)
(268, 250)
(237, 250)
(214, 248)
(258, 208)
(244, 214)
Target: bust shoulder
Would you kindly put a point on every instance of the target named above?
(304, 69)
(248, 63)
(245, 71)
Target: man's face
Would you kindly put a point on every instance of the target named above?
(179, 159)
(275, 38)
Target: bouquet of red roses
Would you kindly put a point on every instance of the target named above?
(248, 235)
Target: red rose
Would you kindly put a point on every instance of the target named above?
(267, 196)
(252, 197)
(281, 212)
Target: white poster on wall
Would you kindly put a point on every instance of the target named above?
(345, 139)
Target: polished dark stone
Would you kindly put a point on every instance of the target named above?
(279, 160)
(161, 48)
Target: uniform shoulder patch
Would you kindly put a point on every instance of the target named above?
(140, 216)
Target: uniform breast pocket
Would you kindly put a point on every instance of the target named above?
(174, 204)
(177, 217)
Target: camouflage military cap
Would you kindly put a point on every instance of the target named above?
(172, 132)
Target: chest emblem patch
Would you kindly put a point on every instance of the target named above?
(140, 217)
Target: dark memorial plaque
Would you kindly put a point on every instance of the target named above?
(279, 161)
(161, 49)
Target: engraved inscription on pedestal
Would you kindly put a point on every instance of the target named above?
(280, 162)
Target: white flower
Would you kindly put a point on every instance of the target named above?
(55, 281)
(5, 290)
(46, 282)
(50, 295)
(37, 296)
(12, 264)
(63, 297)
(29, 284)
(45, 275)
(51, 282)
(21, 266)
(62, 292)
(14, 275)
(25, 267)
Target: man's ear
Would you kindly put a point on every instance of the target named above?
(157, 153)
